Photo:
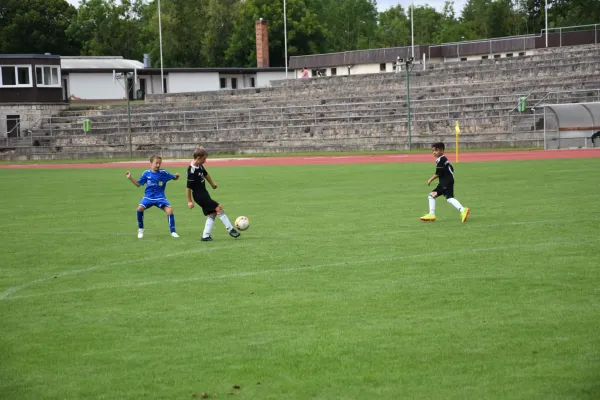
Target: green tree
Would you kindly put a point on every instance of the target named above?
(394, 28)
(107, 29)
(306, 35)
(37, 26)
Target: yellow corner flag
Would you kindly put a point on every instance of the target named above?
(457, 130)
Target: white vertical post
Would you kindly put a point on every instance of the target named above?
(162, 79)
(545, 147)
(546, 15)
(412, 28)
(285, 38)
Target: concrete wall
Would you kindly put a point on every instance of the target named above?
(30, 115)
(192, 82)
(263, 79)
(95, 86)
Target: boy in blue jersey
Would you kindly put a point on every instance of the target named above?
(155, 180)
(445, 172)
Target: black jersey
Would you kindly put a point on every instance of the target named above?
(444, 170)
(196, 178)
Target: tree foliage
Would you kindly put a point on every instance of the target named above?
(220, 33)
(37, 26)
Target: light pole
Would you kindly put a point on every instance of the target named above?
(546, 16)
(412, 28)
(408, 63)
(162, 79)
(285, 38)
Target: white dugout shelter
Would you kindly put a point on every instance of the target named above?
(570, 125)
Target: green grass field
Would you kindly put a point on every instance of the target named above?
(337, 290)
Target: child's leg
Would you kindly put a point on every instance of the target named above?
(170, 218)
(210, 220)
(431, 198)
(221, 214)
(456, 204)
(140, 217)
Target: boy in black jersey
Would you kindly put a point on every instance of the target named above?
(445, 172)
(196, 188)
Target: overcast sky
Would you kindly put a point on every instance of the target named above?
(383, 5)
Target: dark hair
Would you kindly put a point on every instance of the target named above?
(439, 146)
(200, 152)
(155, 157)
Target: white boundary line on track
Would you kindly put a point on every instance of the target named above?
(5, 295)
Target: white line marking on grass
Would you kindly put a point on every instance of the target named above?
(287, 269)
(8, 292)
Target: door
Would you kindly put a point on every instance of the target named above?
(130, 88)
(13, 125)
(65, 90)
(142, 89)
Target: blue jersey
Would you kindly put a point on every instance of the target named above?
(155, 182)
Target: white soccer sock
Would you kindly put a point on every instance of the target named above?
(431, 204)
(456, 204)
(225, 220)
(208, 226)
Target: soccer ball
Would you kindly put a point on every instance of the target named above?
(242, 223)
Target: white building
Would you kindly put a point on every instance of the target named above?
(88, 79)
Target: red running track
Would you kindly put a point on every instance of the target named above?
(351, 159)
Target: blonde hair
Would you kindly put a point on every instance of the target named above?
(200, 152)
(155, 157)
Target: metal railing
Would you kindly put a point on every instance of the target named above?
(525, 38)
(288, 116)
(555, 98)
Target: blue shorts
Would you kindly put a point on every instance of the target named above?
(160, 203)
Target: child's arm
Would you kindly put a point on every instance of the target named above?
(188, 194)
(176, 176)
(132, 179)
(209, 179)
(433, 178)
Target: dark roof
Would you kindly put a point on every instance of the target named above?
(155, 71)
(26, 56)
(152, 71)
(354, 57)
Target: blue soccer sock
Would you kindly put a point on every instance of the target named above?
(140, 218)
(171, 222)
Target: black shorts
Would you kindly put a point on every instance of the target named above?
(445, 189)
(203, 199)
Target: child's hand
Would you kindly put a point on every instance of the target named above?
(190, 204)
(128, 174)
(177, 176)
(214, 185)
(429, 182)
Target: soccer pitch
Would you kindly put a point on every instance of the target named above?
(337, 290)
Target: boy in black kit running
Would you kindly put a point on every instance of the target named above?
(445, 172)
(196, 188)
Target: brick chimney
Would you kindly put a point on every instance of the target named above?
(262, 43)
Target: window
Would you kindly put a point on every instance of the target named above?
(496, 55)
(47, 76)
(521, 54)
(252, 82)
(509, 54)
(485, 57)
(463, 59)
(165, 85)
(382, 67)
(333, 71)
(16, 75)
(223, 83)
(234, 83)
